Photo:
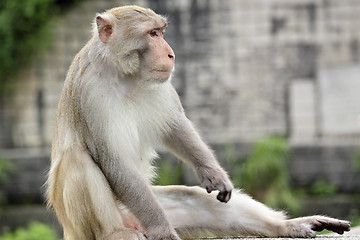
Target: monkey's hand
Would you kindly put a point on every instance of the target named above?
(212, 178)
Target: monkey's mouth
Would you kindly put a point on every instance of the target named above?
(161, 70)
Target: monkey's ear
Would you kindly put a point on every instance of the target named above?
(105, 28)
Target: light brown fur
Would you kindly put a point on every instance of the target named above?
(117, 105)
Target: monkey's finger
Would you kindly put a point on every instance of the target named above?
(224, 196)
(332, 225)
(225, 191)
(208, 185)
(228, 196)
(224, 187)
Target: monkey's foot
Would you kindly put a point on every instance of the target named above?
(126, 235)
(306, 226)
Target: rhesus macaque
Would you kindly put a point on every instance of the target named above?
(116, 107)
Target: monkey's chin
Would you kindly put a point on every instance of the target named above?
(154, 80)
(161, 76)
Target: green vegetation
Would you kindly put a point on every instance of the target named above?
(35, 231)
(323, 188)
(6, 168)
(355, 221)
(24, 31)
(264, 174)
(170, 173)
(357, 159)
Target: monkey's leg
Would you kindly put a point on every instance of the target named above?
(84, 201)
(192, 212)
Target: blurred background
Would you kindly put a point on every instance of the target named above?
(272, 85)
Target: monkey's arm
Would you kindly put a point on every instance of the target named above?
(185, 143)
(135, 193)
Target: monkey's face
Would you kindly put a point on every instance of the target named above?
(135, 38)
(158, 57)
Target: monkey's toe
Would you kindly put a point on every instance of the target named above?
(334, 225)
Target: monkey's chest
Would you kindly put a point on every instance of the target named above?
(135, 131)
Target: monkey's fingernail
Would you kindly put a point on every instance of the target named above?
(222, 197)
(228, 196)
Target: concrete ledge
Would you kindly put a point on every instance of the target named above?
(324, 237)
(354, 234)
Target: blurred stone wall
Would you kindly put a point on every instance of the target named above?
(244, 69)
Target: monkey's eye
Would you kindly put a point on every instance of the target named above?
(155, 33)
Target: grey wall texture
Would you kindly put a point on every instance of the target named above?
(244, 69)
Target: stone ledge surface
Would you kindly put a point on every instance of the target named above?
(345, 237)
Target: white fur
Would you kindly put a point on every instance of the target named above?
(194, 213)
(201, 212)
(112, 115)
(136, 122)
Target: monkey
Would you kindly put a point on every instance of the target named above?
(116, 108)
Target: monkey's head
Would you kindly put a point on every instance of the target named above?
(133, 37)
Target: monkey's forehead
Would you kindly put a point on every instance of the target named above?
(137, 13)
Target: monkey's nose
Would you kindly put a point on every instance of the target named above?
(171, 56)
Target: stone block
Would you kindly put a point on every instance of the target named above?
(302, 110)
(339, 89)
